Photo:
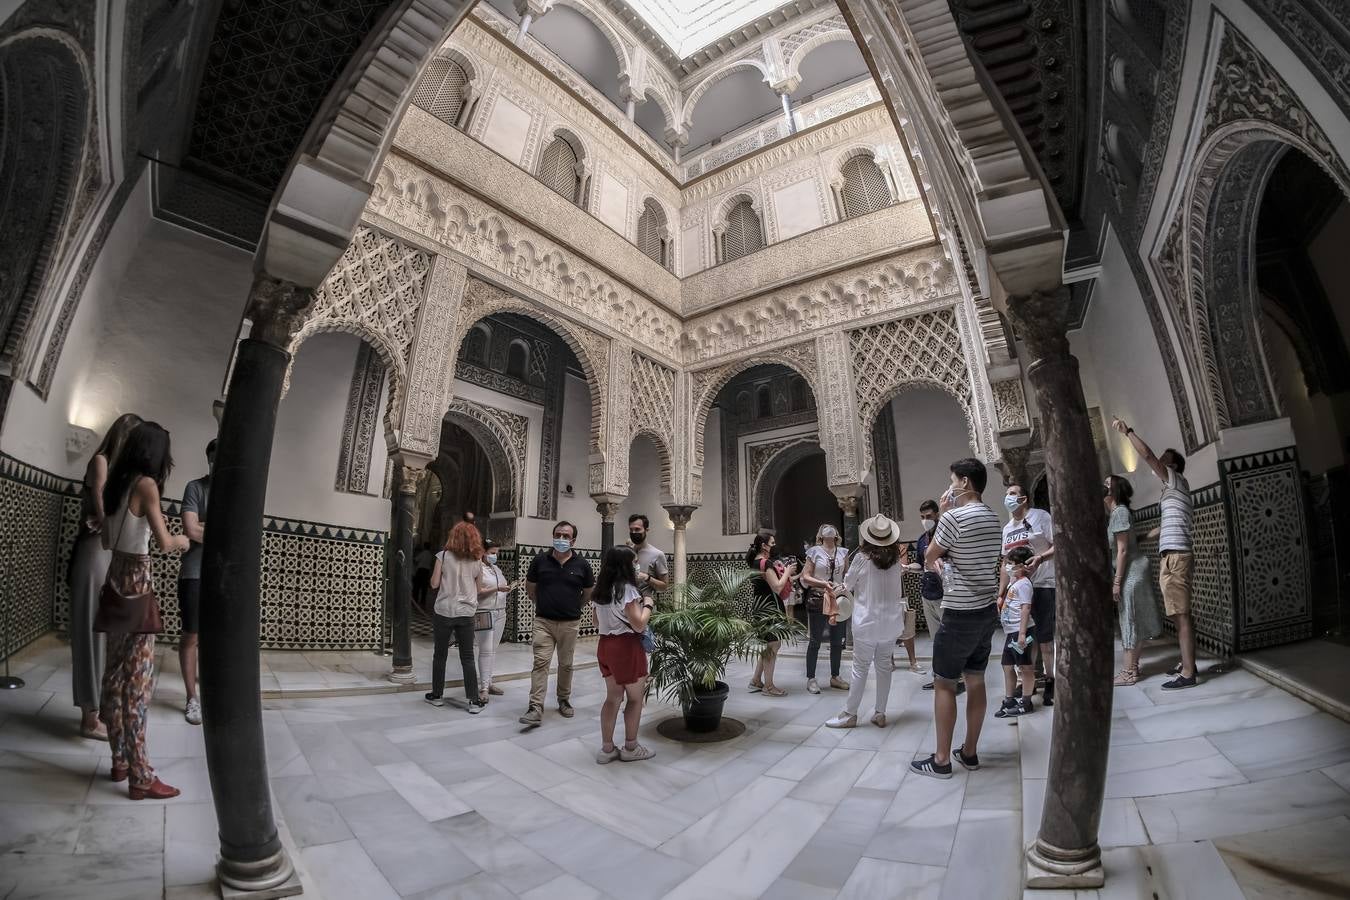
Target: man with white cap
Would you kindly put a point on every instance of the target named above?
(873, 578)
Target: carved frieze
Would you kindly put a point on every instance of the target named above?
(1010, 405)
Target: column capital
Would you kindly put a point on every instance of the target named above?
(277, 309)
(677, 137)
(607, 505)
(535, 8)
(680, 515)
(848, 504)
(412, 472)
(1042, 319)
(786, 85)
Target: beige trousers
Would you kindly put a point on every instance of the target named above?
(548, 636)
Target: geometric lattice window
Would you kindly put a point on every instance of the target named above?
(744, 232)
(864, 188)
(476, 346)
(651, 225)
(517, 360)
(442, 90)
(559, 169)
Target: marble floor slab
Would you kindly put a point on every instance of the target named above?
(1243, 808)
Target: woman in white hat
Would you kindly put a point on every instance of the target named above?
(874, 579)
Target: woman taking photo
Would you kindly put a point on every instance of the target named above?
(455, 579)
(128, 612)
(824, 569)
(1131, 585)
(772, 580)
(493, 590)
(621, 616)
(874, 578)
(88, 568)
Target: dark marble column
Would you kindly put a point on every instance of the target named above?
(406, 482)
(850, 507)
(1066, 853)
(251, 855)
(608, 510)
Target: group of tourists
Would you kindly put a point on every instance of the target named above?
(114, 611)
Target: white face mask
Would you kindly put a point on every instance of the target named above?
(492, 559)
(929, 524)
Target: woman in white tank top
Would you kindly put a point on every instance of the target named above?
(131, 502)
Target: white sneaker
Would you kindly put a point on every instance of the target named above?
(843, 720)
(812, 687)
(193, 712)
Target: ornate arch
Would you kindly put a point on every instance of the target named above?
(611, 35)
(482, 299)
(706, 384)
(503, 439)
(50, 172)
(828, 31)
(784, 457)
(690, 104)
(729, 202)
(650, 92)
(662, 446)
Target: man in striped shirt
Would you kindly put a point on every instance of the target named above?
(967, 544)
(1175, 560)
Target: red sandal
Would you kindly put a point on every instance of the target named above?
(155, 790)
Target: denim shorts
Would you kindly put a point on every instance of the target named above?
(963, 640)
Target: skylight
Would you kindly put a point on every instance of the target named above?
(689, 25)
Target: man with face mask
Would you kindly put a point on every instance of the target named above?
(653, 574)
(1174, 549)
(190, 582)
(559, 582)
(968, 538)
(1034, 528)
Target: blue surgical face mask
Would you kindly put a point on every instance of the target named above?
(1012, 501)
(492, 559)
(562, 545)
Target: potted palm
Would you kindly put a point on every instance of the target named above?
(698, 634)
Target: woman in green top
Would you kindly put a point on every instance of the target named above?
(1131, 587)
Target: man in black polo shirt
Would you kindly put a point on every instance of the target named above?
(559, 582)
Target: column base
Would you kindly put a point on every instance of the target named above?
(402, 675)
(1052, 868)
(261, 880)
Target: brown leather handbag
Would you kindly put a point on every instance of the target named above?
(134, 614)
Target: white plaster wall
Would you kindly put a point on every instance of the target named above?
(309, 437)
(644, 495)
(798, 208)
(35, 430)
(1117, 352)
(930, 434)
(167, 330)
(508, 130)
(704, 534)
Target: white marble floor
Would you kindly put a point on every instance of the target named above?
(1232, 789)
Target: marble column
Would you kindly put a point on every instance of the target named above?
(679, 518)
(608, 509)
(251, 855)
(401, 537)
(787, 112)
(630, 109)
(850, 507)
(1065, 853)
(524, 29)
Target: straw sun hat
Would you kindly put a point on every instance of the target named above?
(879, 531)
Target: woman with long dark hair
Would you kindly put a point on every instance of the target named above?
(128, 610)
(771, 582)
(1131, 586)
(455, 579)
(621, 616)
(875, 578)
(88, 568)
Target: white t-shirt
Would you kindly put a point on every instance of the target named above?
(1019, 595)
(612, 618)
(458, 594)
(492, 577)
(821, 557)
(1037, 531)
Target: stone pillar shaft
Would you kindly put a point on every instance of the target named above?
(679, 518)
(608, 509)
(787, 112)
(401, 537)
(524, 28)
(1066, 853)
(251, 855)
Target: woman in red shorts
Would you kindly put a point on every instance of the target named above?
(621, 615)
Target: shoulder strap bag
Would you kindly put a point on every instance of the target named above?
(123, 613)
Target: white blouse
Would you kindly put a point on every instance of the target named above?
(878, 600)
(458, 594)
(492, 577)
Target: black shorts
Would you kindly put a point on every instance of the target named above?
(963, 640)
(189, 604)
(1011, 657)
(1043, 612)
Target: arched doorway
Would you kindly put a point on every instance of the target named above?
(466, 479)
(802, 503)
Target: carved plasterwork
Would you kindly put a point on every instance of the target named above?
(922, 276)
(360, 423)
(841, 415)
(1010, 405)
(504, 437)
(482, 299)
(919, 351)
(440, 210)
(433, 370)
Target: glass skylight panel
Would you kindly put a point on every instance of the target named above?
(689, 25)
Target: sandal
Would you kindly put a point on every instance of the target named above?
(1126, 677)
(754, 688)
(775, 691)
